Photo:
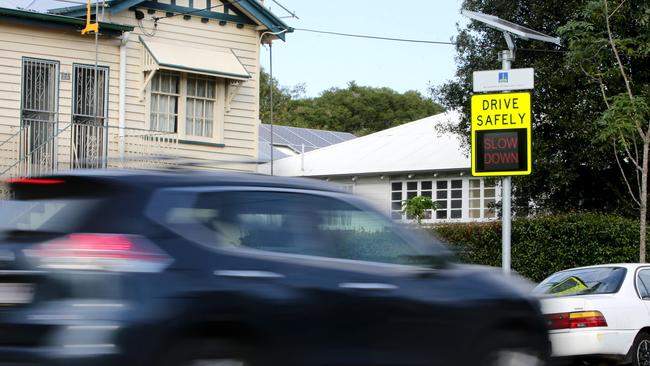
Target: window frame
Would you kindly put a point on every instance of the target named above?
(218, 113)
(636, 282)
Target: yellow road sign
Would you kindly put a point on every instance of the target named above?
(501, 134)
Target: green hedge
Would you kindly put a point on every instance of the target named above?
(546, 244)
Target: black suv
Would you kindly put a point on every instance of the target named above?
(190, 268)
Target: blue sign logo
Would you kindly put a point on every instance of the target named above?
(503, 77)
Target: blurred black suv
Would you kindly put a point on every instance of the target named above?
(190, 268)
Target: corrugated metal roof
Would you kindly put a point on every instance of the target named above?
(411, 147)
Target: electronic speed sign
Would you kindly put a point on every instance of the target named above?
(501, 134)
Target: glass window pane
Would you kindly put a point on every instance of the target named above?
(456, 204)
(474, 203)
(396, 186)
(474, 183)
(457, 183)
(441, 214)
(474, 214)
(441, 184)
(426, 194)
(456, 193)
(441, 195)
(396, 196)
(488, 192)
(396, 206)
(442, 204)
(411, 194)
(412, 186)
(474, 193)
(456, 214)
(426, 185)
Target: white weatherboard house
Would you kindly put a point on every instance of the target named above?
(392, 165)
(165, 77)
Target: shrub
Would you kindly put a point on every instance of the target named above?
(416, 207)
(546, 244)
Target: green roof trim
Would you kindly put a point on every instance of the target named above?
(251, 8)
(33, 16)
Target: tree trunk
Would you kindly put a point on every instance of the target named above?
(644, 202)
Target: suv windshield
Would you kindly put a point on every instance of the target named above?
(599, 280)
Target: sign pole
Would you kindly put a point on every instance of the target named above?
(506, 184)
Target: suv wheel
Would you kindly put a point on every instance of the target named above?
(204, 353)
(512, 349)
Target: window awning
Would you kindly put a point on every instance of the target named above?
(166, 56)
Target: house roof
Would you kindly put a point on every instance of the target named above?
(295, 138)
(58, 20)
(409, 148)
(249, 8)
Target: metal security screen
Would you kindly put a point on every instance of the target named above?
(89, 113)
(39, 106)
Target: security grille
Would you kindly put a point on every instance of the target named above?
(39, 106)
(89, 115)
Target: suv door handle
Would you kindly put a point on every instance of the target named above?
(368, 286)
(248, 274)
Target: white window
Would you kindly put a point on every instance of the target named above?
(200, 104)
(185, 104)
(164, 102)
(456, 199)
(482, 197)
(449, 195)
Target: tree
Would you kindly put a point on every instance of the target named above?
(610, 43)
(570, 171)
(356, 109)
(415, 207)
(282, 95)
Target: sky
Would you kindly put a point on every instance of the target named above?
(323, 61)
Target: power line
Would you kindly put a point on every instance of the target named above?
(374, 37)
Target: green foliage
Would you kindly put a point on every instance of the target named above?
(549, 243)
(570, 167)
(591, 51)
(416, 207)
(357, 109)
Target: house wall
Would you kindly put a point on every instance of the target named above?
(239, 124)
(240, 127)
(374, 189)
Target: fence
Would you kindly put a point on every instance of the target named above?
(42, 147)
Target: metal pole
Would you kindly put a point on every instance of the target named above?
(271, 98)
(506, 184)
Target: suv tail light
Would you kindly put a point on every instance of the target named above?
(103, 252)
(576, 320)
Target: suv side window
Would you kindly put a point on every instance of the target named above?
(289, 222)
(643, 283)
(264, 220)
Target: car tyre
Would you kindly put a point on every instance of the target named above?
(513, 349)
(204, 353)
(640, 351)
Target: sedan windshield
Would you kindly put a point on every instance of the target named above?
(598, 280)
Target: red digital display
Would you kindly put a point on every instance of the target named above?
(501, 150)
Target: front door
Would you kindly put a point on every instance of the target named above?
(89, 128)
(38, 117)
